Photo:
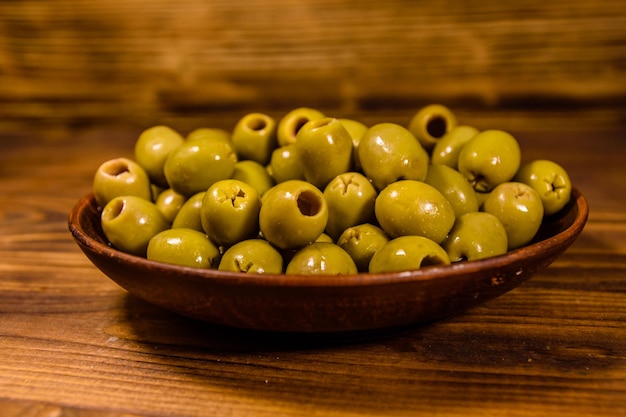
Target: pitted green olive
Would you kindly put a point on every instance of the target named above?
(431, 123)
(129, 222)
(195, 165)
(490, 158)
(410, 207)
(321, 258)
(152, 149)
(351, 198)
(454, 187)
(551, 182)
(407, 253)
(388, 152)
(362, 242)
(253, 256)
(230, 212)
(185, 247)
(325, 150)
(120, 177)
(293, 214)
(476, 235)
(519, 209)
(290, 124)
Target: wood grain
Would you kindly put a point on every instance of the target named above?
(138, 62)
(72, 343)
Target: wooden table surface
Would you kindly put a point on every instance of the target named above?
(73, 343)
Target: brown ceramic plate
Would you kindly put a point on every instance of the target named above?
(309, 304)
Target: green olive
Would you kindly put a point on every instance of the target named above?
(252, 256)
(490, 158)
(254, 174)
(475, 236)
(519, 209)
(184, 247)
(254, 137)
(325, 150)
(388, 152)
(230, 212)
(196, 165)
(321, 258)
(169, 203)
(454, 187)
(409, 207)
(209, 133)
(362, 242)
(152, 149)
(290, 124)
(448, 148)
(119, 177)
(285, 164)
(551, 182)
(129, 222)
(293, 214)
(407, 253)
(189, 214)
(351, 198)
(431, 123)
(356, 130)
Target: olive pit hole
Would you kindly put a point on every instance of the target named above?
(257, 124)
(116, 168)
(298, 123)
(309, 203)
(437, 126)
(114, 209)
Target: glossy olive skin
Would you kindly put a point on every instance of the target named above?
(321, 258)
(254, 137)
(447, 149)
(184, 247)
(356, 130)
(152, 149)
(550, 180)
(476, 235)
(351, 199)
(454, 187)
(209, 133)
(362, 242)
(407, 253)
(196, 165)
(189, 214)
(290, 124)
(254, 174)
(285, 164)
(293, 214)
(431, 123)
(119, 177)
(519, 209)
(389, 152)
(325, 150)
(169, 203)
(230, 212)
(490, 158)
(129, 222)
(253, 256)
(409, 207)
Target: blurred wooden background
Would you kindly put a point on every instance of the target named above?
(69, 64)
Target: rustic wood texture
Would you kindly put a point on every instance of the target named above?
(80, 79)
(73, 343)
(137, 62)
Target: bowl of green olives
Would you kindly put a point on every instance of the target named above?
(313, 224)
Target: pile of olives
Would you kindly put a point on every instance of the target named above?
(311, 194)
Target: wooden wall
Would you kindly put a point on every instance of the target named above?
(135, 63)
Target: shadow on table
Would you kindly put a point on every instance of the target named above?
(147, 323)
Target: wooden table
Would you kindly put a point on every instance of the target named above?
(73, 343)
